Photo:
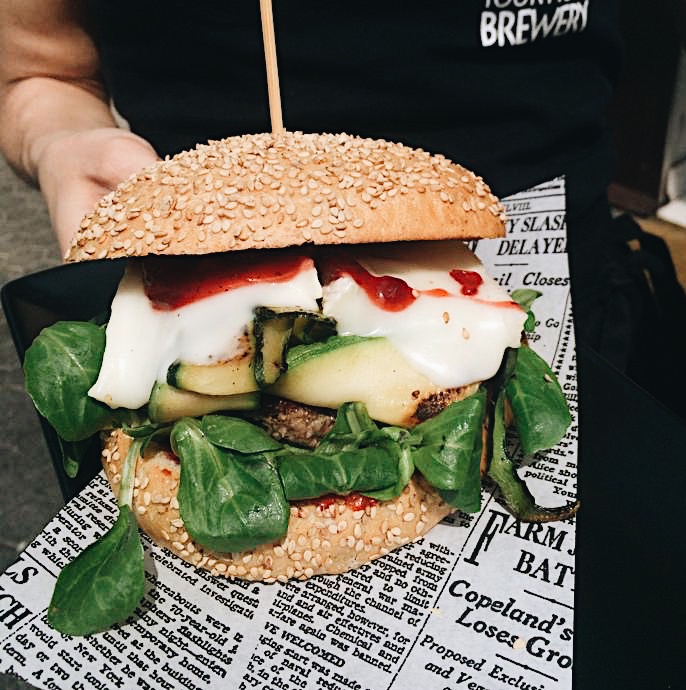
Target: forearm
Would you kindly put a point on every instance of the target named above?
(36, 110)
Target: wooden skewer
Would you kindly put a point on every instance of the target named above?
(272, 68)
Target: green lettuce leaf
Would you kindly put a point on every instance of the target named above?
(59, 368)
(539, 407)
(447, 451)
(513, 489)
(103, 584)
(228, 501)
(354, 456)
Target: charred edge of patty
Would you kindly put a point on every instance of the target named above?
(436, 402)
(302, 425)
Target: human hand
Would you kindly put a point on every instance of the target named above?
(77, 168)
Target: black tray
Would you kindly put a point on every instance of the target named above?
(631, 548)
(75, 292)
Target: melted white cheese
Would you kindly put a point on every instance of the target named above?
(142, 342)
(453, 340)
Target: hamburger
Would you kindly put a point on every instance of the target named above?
(294, 377)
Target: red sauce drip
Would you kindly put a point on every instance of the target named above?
(174, 282)
(386, 292)
(326, 502)
(353, 501)
(360, 502)
(469, 280)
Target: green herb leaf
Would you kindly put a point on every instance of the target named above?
(449, 450)
(104, 584)
(539, 407)
(349, 429)
(468, 498)
(514, 491)
(525, 298)
(363, 469)
(354, 456)
(60, 367)
(147, 433)
(405, 465)
(237, 434)
(227, 502)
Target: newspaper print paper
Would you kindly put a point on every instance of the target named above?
(482, 602)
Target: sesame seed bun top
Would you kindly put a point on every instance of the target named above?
(270, 191)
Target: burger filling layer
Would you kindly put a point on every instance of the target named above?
(152, 326)
(433, 301)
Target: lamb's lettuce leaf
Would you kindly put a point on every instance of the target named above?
(61, 365)
(503, 471)
(228, 501)
(103, 584)
(354, 456)
(525, 298)
(539, 407)
(447, 451)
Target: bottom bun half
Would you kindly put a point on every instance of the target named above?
(323, 537)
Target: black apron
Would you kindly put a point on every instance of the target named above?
(514, 89)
